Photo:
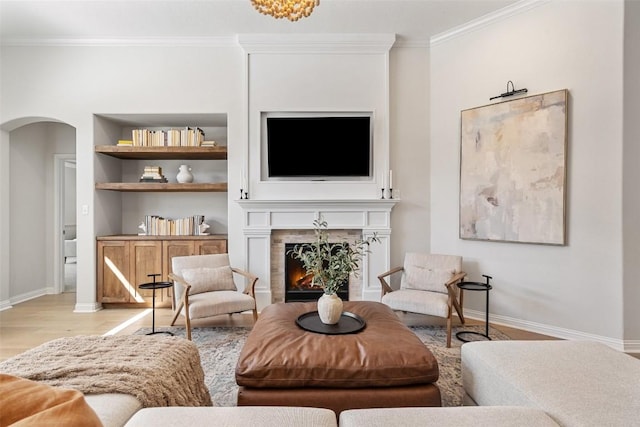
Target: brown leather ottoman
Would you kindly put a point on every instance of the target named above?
(384, 365)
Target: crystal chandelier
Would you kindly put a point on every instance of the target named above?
(290, 9)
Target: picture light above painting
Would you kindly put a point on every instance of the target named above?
(317, 146)
(513, 162)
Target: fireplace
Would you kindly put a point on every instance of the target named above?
(297, 283)
(269, 224)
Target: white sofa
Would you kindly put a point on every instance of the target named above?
(576, 383)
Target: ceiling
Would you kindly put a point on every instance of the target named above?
(24, 21)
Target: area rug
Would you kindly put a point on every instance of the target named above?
(220, 347)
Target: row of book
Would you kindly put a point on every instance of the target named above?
(155, 225)
(186, 137)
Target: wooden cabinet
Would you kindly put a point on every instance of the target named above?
(124, 263)
(113, 279)
(145, 257)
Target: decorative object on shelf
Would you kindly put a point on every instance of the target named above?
(202, 229)
(511, 92)
(387, 186)
(244, 190)
(513, 158)
(184, 174)
(330, 265)
(290, 9)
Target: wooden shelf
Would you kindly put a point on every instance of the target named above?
(163, 153)
(162, 187)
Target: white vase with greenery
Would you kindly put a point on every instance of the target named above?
(330, 265)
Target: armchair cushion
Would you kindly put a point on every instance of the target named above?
(415, 301)
(209, 304)
(205, 279)
(427, 279)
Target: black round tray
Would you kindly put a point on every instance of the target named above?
(349, 323)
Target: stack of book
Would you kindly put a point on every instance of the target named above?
(125, 142)
(209, 143)
(152, 174)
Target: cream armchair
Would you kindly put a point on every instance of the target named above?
(204, 287)
(427, 286)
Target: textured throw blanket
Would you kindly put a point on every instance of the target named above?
(157, 370)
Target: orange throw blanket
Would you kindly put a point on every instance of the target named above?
(28, 403)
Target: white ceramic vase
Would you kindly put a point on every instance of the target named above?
(184, 174)
(329, 308)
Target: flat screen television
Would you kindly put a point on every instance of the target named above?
(319, 146)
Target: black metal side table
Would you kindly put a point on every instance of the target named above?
(476, 286)
(155, 285)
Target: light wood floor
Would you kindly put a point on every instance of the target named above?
(42, 319)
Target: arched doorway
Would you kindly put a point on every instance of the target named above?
(31, 249)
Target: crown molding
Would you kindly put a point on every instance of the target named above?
(486, 20)
(316, 43)
(218, 41)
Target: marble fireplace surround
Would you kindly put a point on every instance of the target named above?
(268, 223)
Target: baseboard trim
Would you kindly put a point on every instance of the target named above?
(554, 331)
(87, 307)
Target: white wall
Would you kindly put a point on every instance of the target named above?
(574, 290)
(409, 142)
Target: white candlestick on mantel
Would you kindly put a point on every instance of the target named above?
(390, 178)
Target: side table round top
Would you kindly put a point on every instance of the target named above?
(155, 285)
(474, 286)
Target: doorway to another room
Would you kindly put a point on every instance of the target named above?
(66, 166)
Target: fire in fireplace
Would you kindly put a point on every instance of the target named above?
(298, 283)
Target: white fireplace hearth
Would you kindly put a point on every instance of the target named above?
(292, 219)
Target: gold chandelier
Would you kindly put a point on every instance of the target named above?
(290, 9)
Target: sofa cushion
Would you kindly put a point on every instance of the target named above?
(264, 416)
(577, 383)
(30, 403)
(494, 416)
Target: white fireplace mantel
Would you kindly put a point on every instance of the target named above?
(371, 216)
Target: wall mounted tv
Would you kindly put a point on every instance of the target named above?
(317, 146)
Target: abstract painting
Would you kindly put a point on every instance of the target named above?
(513, 170)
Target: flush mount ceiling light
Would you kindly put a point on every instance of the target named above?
(290, 9)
